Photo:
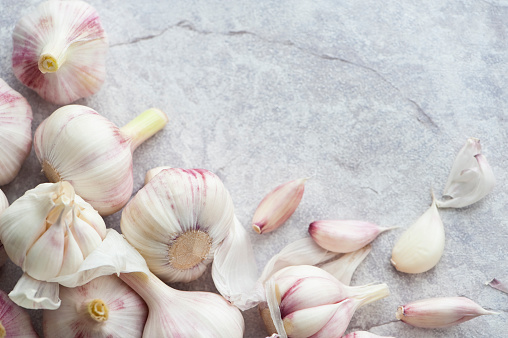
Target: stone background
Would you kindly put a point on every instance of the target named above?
(373, 99)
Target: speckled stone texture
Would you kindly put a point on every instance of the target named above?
(373, 99)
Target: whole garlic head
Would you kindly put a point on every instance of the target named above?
(59, 50)
(15, 132)
(50, 230)
(14, 321)
(78, 145)
(177, 221)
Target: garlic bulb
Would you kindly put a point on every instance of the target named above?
(344, 236)
(78, 145)
(174, 313)
(363, 334)
(3, 205)
(421, 246)
(59, 50)
(152, 172)
(440, 312)
(306, 301)
(177, 221)
(471, 177)
(50, 230)
(104, 307)
(278, 206)
(15, 131)
(14, 321)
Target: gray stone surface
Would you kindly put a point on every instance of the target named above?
(371, 98)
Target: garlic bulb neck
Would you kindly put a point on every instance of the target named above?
(3, 333)
(190, 249)
(144, 126)
(98, 310)
(50, 172)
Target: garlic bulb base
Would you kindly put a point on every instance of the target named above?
(144, 126)
(3, 333)
(48, 63)
(190, 249)
(98, 310)
(51, 174)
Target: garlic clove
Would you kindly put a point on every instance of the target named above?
(440, 312)
(278, 206)
(16, 132)
(471, 177)
(73, 256)
(363, 334)
(344, 267)
(14, 321)
(152, 172)
(344, 236)
(104, 307)
(421, 246)
(78, 145)
(307, 322)
(498, 285)
(59, 50)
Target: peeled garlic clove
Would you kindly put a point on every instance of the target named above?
(78, 145)
(344, 236)
(15, 131)
(59, 50)
(14, 321)
(278, 206)
(471, 177)
(174, 313)
(440, 312)
(104, 307)
(498, 285)
(36, 230)
(421, 246)
(363, 334)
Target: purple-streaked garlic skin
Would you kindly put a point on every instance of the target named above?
(498, 285)
(126, 311)
(344, 236)
(442, 312)
(278, 206)
(14, 319)
(15, 131)
(363, 334)
(71, 33)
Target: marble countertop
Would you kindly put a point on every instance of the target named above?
(373, 99)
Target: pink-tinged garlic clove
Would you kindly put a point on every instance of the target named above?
(78, 145)
(278, 206)
(15, 132)
(14, 321)
(435, 313)
(344, 236)
(59, 50)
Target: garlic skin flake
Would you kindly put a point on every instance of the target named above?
(471, 177)
(14, 321)
(50, 230)
(344, 236)
(78, 145)
(174, 313)
(15, 132)
(104, 307)
(59, 50)
(344, 267)
(440, 312)
(421, 246)
(498, 285)
(278, 206)
(177, 221)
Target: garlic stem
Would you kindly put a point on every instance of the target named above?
(98, 310)
(144, 126)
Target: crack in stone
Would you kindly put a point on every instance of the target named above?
(356, 328)
(422, 117)
(377, 193)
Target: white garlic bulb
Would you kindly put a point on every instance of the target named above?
(174, 313)
(15, 132)
(14, 321)
(177, 221)
(50, 230)
(59, 50)
(104, 307)
(78, 145)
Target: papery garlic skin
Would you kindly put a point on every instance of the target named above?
(152, 172)
(471, 177)
(498, 285)
(59, 50)
(363, 334)
(278, 206)
(421, 246)
(344, 267)
(174, 313)
(78, 145)
(50, 230)
(15, 132)
(177, 221)
(344, 236)
(104, 307)
(14, 321)
(440, 312)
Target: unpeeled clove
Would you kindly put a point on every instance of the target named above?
(440, 312)
(14, 321)
(344, 236)
(278, 206)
